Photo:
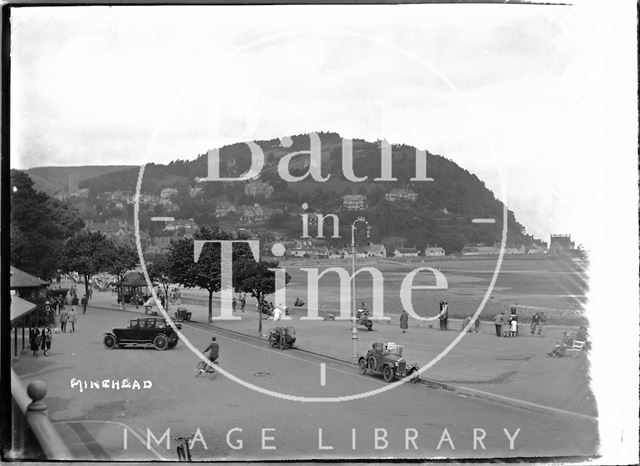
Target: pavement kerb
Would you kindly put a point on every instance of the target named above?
(430, 383)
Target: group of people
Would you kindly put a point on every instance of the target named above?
(507, 326)
(40, 339)
(566, 342)
(242, 301)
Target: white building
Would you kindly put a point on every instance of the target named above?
(433, 251)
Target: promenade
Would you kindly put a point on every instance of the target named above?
(515, 371)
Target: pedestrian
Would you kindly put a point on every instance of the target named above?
(72, 318)
(48, 336)
(535, 321)
(37, 341)
(64, 317)
(32, 340)
(444, 315)
(498, 322)
(514, 327)
(404, 321)
(74, 302)
(90, 292)
(542, 321)
(513, 316)
(506, 327)
(277, 314)
(234, 304)
(243, 303)
(83, 301)
(43, 341)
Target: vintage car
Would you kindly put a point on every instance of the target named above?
(182, 314)
(387, 359)
(145, 331)
(282, 337)
(362, 318)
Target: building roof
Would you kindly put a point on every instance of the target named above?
(20, 279)
(20, 307)
(375, 248)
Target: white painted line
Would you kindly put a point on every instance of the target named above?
(483, 220)
(323, 374)
(162, 219)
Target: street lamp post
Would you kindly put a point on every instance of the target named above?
(354, 327)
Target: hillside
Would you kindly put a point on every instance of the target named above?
(441, 214)
(54, 179)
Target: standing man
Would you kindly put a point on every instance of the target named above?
(64, 316)
(243, 303)
(277, 314)
(72, 318)
(498, 322)
(404, 321)
(234, 304)
(444, 315)
(83, 301)
(535, 321)
(74, 302)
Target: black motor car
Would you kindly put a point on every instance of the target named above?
(387, 359)
(143, 332)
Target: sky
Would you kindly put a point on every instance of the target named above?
(504, 91)
(539, 101)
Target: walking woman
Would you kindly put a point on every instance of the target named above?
(43, 342)
(46, 340)
(37, 341)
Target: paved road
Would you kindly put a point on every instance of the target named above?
(94, 421)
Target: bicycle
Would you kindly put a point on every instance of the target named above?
(202, 368)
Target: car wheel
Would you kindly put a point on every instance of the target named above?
(363, 366)
(160, 342)
(371, 363)
(387, 374)
(110, 341)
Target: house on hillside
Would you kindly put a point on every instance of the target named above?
(360, 253)
(354, 202)
(167, 193)
(188, 225)
(406, 252)
(257, 188)
(434, 251)
(401, 194)
(376, 250)
(252, 214)
(514, 250)
(224, 208)
(195, 191)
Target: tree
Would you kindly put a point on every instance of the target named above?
(86, 253)
(205, 273)
(160, 271)
(118, 261)
(39, 225)
(254, 277)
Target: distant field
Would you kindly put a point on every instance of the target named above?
(556, 284)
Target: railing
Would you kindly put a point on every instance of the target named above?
(33, 434)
